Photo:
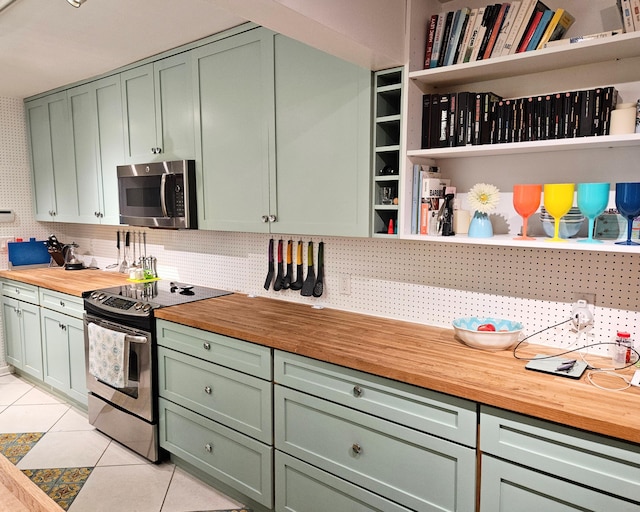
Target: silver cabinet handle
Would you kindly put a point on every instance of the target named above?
(62, 326)
(206, 345)
(207, 390)
(62, 303)
(208, 447)
(272, 218)
(265, 218)
(357, 391)
(17, 291)
(356, 448)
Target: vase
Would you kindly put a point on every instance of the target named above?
(480, 226)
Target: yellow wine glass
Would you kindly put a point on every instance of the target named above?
(558, 200)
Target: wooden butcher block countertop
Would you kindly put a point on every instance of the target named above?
(73, 282)
(429, 357)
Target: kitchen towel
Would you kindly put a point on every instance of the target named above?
(108, 355)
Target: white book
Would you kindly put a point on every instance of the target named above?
(627, 19)
(635, 13)
(505, 29)
(474, 39)
(519, 26)
(467, 34)
(578, 39)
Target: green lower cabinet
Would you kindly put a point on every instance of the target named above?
(63, 354)
(226, 455)
(301, 487)
(21, 324)
(408, 467)
(507, 487)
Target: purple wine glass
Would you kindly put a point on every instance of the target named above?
(628, 205)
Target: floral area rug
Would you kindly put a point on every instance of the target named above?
(62, 485)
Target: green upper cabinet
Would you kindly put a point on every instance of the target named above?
(158, 111)
(51, 151)
(96, 119)
(323, 137)
(234, 105)
(284, 138)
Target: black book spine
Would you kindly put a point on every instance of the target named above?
(597, 111)
(527, 134)
(610, 96)
(557, 116)
(547, 117)
(477, 118)
(426, 121)
(490, 14)
(451, 125)
(462, 110)
(443, 122)
(446, 33)
(585, 125)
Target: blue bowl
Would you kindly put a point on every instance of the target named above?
(506, 335)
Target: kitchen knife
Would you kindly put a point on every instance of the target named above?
(319, 286)
(297, 284)
(310, 281)
(277, 284)
(286, 282)
(267, 283)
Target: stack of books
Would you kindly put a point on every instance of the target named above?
(629, 14)
(468, 118)
(466, 35)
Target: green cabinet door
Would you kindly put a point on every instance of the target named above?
(21, 330)
(323, 133)
(96, 120)
(54, 174)
(234, 115)
(158, 111)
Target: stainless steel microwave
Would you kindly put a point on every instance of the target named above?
(158, 194)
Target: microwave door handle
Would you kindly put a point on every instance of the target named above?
(163, 194)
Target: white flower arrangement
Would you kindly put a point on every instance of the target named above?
(483, 197)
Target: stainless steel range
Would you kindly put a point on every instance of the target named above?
(120, 354)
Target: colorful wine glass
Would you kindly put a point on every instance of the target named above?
(592, 201)
(526, 199)
(628, 205)
(558, 200)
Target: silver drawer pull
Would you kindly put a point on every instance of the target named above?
(207, 390)
(208, 447)
(357, 391)
(356, 448)
(62, 303)
(206, 346)
(17, 291)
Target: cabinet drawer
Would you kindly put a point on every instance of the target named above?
(409, 467)
(62, 302)
(230, 352)
(595, 461)
(232, 398)
(431, 412)
(301, 487)
(233, 458)
(20, 291)
(507, 487)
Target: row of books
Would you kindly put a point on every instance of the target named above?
(469, 118)
(466, 35)
(629, 14)
(428, 193)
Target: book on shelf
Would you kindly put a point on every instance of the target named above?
(457, 26)
(431, 32)
(537, 34)
(446, 33)
(529, 16)
(464, 41)
(531, 27)
(474, 36)
(557, 27)
(638, 116)
(437, 41)
(518, 27)
(579, 39)
(426, 121)
(624, 6)
(506, 27)
(635, 13)
(495, 29)
(490, 16)
(431, 194)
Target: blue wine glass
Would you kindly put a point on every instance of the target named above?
(592, 201)
(628, 205)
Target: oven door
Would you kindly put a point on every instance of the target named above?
(135, 396)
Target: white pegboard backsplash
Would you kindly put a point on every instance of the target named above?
(424, 282)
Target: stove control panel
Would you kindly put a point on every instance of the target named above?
(120, 304)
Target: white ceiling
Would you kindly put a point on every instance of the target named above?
(45, 44)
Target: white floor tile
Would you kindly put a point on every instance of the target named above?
(71, 421)
(31, 418)
(13, 390)
(187, 493)
(36, 396)
(9, 379)
(139, 488)
(118, 455)
(66, 450)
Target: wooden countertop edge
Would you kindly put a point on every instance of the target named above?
(18, 493)
(71, 282)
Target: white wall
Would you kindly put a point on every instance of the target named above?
(422, 282)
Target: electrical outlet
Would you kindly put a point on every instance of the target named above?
(589, 298)
(581, 316)
(3, 243)
(344, 284)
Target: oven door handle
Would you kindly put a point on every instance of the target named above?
(141, 340)
(163, 194)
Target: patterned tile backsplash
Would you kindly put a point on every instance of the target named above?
(422, 282)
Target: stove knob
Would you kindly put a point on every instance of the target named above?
(102, 296)
(138, 306)
(146, 308)
(94, 295)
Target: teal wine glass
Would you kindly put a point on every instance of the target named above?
(592, 201)
(628, 205)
